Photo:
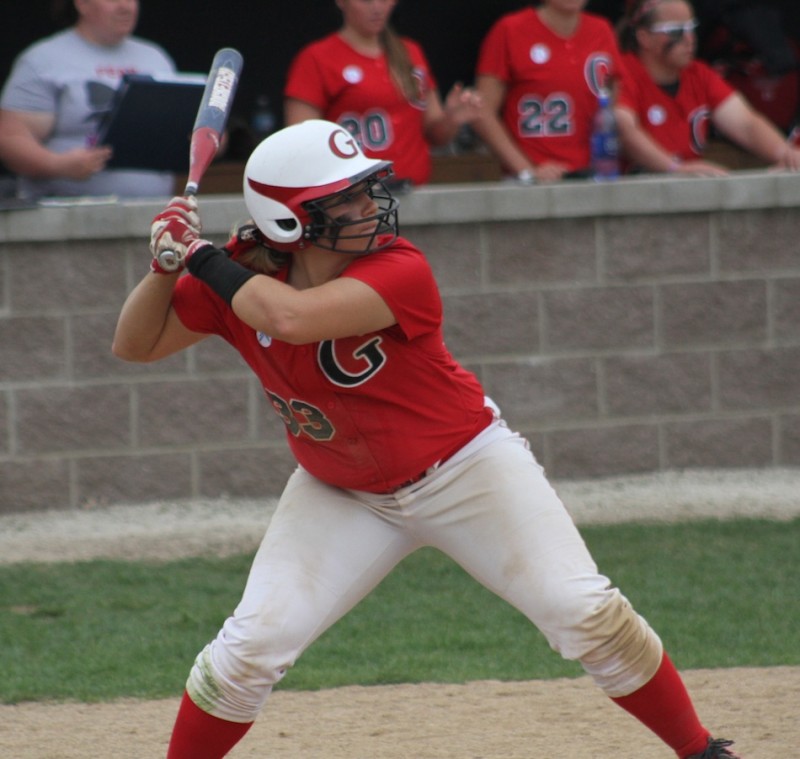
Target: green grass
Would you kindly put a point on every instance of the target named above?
(719, 594)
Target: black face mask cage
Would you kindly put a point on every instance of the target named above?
(326, 232)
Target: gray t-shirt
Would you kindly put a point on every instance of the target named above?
(75, 79)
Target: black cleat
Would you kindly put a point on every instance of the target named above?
(716, 749)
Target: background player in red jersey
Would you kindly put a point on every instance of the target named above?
(396, 443)
(540, 71)
(380, 87)
(668, 98)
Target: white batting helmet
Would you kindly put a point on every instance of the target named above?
(293, 169)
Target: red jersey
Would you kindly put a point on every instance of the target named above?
(680, 123)
(367, 412)
(359, 93)
(551, 82)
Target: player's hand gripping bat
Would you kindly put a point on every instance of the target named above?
(212, 116)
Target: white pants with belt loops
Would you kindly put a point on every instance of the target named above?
(490, 508)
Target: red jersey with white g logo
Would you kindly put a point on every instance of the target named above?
(368, 412)
(678, 123)
(358, 92)
(552, 82)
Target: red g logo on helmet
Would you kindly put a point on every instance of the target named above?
(342, 144)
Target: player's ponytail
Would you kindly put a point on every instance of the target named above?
(400, 64)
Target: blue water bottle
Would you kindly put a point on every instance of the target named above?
(605, 140)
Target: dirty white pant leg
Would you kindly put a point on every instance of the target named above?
(322, 553)
(496, 514)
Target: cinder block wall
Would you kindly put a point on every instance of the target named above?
(633, 344)
(623, 329)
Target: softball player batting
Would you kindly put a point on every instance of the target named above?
(396, 444)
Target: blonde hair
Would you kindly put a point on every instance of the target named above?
(264, 260)
(255, 252)
(400, 64)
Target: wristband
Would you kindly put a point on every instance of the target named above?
(212, 266)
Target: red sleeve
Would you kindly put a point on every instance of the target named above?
(619, 72)
(198, 307)
(627, 94)
(305, 80)
(418, 60)
(716, 87)
(402, 277)
(492, 56)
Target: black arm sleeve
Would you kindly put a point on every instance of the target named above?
(212, 266)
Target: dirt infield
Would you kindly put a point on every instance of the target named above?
(478, 720)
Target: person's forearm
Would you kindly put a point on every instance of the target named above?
(750, 130)
(442, 132)
(24, 155)
(649, 155)
(642, 149)
(497, 139)
(765, 141)
(143, 318)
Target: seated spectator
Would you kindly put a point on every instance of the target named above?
(540, 71)
(378, 86)
(58, 90)
(668, 98)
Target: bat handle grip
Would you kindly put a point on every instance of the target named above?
(169, 260)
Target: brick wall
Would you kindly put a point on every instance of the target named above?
(633, 344)
(621, 331)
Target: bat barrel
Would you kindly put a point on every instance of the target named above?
(212, 115)
(220, 90)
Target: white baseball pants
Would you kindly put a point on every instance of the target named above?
(490, 508)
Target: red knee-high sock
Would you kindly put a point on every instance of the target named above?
(663, 705)
(199, 735)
